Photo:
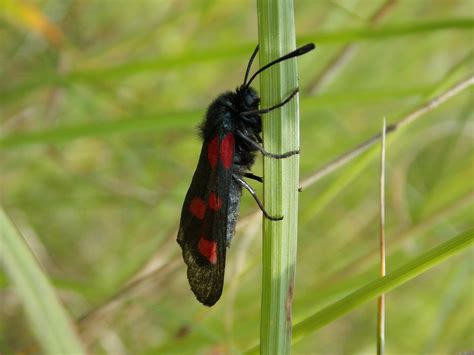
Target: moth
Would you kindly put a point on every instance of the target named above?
(231, 134)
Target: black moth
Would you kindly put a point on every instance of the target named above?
(231, 134)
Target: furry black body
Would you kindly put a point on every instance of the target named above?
(231, 134)
(224, 115)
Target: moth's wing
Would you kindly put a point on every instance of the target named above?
(190, 223)
(203, 229)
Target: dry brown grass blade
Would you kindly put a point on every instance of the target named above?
(381, 299)
(350, 155)
(31, 17)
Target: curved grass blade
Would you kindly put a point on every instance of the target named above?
(223, 51)
(49, 320)
(382, 285)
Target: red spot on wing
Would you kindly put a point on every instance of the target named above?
(197, 207)
(227, 150)
(208, 249)
(215, 203)
(212, 149)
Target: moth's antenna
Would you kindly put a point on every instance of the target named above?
(297, 52)
(252, 57)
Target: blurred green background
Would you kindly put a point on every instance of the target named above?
(99, 104)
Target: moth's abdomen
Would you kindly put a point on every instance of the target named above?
(235, 192)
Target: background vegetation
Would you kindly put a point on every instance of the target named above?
(100, 100)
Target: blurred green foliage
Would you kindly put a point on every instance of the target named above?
(99, 103)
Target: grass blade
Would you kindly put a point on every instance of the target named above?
(224, 51)
(49, 320)
(382, 285)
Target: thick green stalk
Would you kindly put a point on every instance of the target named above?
(280, 134)
(381, 285)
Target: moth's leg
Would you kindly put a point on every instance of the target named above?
(249, 188)
(253, 177)
(262, 150)
(266, 110)
(260, 179)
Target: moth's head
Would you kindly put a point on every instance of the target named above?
(248, 98)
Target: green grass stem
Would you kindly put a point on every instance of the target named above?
(281, 134)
